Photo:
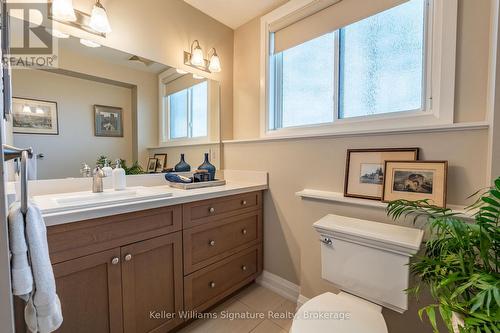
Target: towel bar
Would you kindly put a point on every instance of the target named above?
(10, 153)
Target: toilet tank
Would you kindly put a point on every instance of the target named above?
(368, 259)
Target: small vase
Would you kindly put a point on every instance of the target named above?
(208, 166)
(182, 166)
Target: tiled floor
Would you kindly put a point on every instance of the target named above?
(258, 310)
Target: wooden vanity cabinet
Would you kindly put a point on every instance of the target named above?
(129, 273)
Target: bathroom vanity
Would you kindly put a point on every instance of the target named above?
(136, 271)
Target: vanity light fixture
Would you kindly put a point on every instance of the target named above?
(180, 71)
(198, 77)
(196, 59)
(89, 43)
(99, 19)
(62, 10)
(58, 34)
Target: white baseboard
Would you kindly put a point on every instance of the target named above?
(279, 285)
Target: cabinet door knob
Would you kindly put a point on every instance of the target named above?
(244, 231)
(115, 261)
(212, 210)
(211, 243)
(212, 284)
(128, 257)
(244, 268)
(244, 202)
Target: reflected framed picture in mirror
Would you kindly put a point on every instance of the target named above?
(161, 164)
(32, 116)
(108, 121)
(152, 165)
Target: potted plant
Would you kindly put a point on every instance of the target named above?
(461, 262)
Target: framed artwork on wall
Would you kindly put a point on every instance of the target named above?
(108, 121)
(416, 180)
(32, 116)
(364, 175)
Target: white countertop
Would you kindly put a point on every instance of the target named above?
(178, 197)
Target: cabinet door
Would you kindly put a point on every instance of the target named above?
(90, 292)
(152, 284)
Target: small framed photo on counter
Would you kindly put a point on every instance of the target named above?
(161, 165)
(416, 180)
(364, 175)
(152, 165)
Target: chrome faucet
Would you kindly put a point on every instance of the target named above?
(97, 184)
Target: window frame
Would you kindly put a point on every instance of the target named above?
(164, 120)
(439, 78)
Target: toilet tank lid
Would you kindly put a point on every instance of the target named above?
(409, 238)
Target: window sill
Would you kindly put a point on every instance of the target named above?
(408, 130)
(339, 198)
(185, 144)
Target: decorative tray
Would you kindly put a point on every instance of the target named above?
(191, 186)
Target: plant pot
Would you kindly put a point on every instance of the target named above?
(457, 320)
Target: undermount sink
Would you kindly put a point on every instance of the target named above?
(54, 203)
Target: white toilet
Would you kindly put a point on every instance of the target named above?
(368, 262)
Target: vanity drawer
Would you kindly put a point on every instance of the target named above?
(206, 244)
(201, 212)
(211, 284)
(73, 240)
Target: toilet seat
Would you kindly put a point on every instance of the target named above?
(340, 313)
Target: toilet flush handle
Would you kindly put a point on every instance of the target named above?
(326, 240)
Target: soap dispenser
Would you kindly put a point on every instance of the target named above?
(108, 171)
(119, 178)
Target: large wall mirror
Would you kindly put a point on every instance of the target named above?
(104, 102)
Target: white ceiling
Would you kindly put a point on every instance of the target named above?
(235, 13)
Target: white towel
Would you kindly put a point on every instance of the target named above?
(43, 309)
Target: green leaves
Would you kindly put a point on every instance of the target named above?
(461, 262)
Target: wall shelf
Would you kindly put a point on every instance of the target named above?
(339, 198)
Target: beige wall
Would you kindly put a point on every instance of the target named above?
(292, 249)
(76, 142)
(161, 30)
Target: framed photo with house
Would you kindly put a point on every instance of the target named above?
(108, 121)
(152, 165)
(416, 180)
(364, 175)
(161, 165)
(33, 116)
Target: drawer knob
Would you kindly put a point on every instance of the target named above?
(244, 202)
(115, 261)
(128, 257)
(244, 231)
(212, 284)
(212, 210)
(244, 268)
(211, 243)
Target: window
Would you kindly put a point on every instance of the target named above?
(188, 112)
(372, 67)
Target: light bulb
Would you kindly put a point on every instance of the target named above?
(214, 65)
(26, 109)
(197, 57)
(180, 71)
(89, 43)
(197, 77)
(99, 19)
(39, 111)
(58, 34)
(63, 10)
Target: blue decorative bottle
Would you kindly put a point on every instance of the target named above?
(208, 166)
(182, 166)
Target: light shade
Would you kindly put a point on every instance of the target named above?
(180, 71)
(214, 65)
(89, 43)
(99, 19)
(197, 57)
(58, 34)
(63, 10)
(198, 77)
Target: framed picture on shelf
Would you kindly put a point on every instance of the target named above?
(364, 175)
(152, 165)
(32, 116)
(108, 121)
(416, 180)
(161, 165)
